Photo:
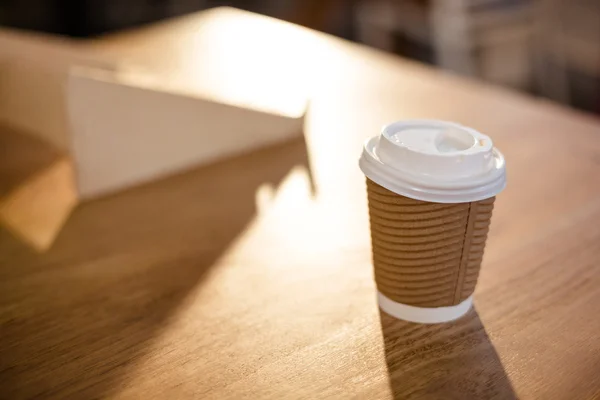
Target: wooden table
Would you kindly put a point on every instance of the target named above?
(252, 279)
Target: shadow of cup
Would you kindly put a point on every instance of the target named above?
(455, 360)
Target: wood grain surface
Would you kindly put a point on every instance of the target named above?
(241, 281)
(37, 187)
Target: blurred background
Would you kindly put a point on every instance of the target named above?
(549, 48)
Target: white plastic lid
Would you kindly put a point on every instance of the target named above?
(435, 161)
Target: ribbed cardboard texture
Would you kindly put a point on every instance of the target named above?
(426, 254)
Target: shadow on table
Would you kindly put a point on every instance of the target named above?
(443, 361)
(76, 320)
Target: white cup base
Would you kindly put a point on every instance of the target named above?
(424, 315)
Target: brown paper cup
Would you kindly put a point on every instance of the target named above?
(426, 254)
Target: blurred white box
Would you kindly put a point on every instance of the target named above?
(126, 131)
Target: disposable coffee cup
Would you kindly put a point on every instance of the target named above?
(431, 188)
